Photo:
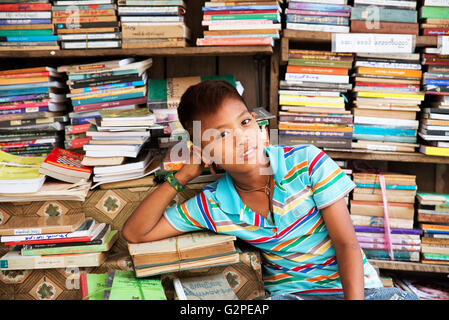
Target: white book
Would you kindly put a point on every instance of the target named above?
(310, 93)
(386, 3)
(386, 121)
(436, 3)
(85, 230)
(311, 99)
(124, 167)
(102, 154)
(387, 65)
(239, 22)
(81, 2)
(317, 27)
(323, 1)
(433, 138)
(316, 77)
(91, 44)
(110, 147)
(89, 36)
(438, 116)
(276, 26)
(415, 237)
(13, 260)
(157, 19)
(25, 15)
(140, 10)
(444, 128)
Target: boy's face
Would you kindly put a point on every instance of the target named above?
(231, 138)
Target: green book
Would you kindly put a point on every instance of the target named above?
(434, 12)
(109, 241)
(18, 33)
(320, 63)
(125, 286)
(436, 256)
(384, 14)
(433, 198)
(166, 93)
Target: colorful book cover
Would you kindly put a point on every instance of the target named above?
(67, 160)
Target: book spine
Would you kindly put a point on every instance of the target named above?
(430, 12)
(77, 143)
(28, 38)
(317, 27)
(95, 82)
(360, 26)
(318, 7)
(316, 78)
(26, 7)
(315, 119)
(115, 97)
(318, 13)
(24, 105)
(81, 8)
(84, 13)
(398, 255)
(316, 134)
(268, 16)
(358, 129)
(23, 110)
(18, 21)
(231, 12)
(317, 70)
(341, 21)
(313, 127)
(74, 239)
(234, 41)
(397, 241)
(370, 245)
(117, 103)
(91, 19)
(132, 31)
(318, 142)
(384, 14)
(110, 24)
(25, 15)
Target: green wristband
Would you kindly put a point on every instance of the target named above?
(174, 182)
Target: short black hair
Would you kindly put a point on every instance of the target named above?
(203, 99)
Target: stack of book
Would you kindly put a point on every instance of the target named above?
(153, 24)
(433, 216)
(32, 102)
(117, 84)
(55, 242)
(88, 24)
(434, 18)
(367, 215)
(312, 100)
(240, 23)
(122, 135)
(193, 250)
(434, 124)
(164, 95)
(26, 25)
(323, 16)
(386, 100)
(388, 17)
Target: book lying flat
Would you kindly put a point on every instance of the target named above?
(125, 286)
(13, 260)
(110, 239)
(84, 230)
(20, 225)
(209, 287)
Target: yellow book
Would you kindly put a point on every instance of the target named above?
(434, 151)
(141, 89)
(369, 94)
(19, 168)
(307, 103)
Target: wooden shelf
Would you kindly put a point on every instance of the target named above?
(409, 266)
(326, 37)
(188, 51)
(355, 154)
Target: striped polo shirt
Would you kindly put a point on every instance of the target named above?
(297, 252)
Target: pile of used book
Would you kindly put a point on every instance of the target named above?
(312, 100)
(433, 217)
(55, 242)
(367, 215)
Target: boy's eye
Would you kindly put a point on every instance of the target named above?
(223, 134)
(246, 121)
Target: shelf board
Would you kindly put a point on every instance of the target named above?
(355, 154)
(187, 51)
(326, 37)
(409, 266)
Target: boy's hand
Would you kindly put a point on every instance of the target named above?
(194, 168)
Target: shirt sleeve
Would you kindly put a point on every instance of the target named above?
(189, 216)
(328, 182)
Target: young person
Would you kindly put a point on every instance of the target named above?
(288, 201)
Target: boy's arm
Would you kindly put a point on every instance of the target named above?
(347, 249)
(147, 222)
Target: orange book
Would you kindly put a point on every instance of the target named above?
(324, 53)
(26, 70)
(317, 70)
(313, 127)
(6, 81)
(390, 72)
(233, 32)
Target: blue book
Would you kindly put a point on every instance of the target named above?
(384, 14)
(108, 98)
(398, 255)
(9, 93)
(30, 85)
(84, 120)
(102, 74)
(316, 134)
(384, 131)
(338, 21)
(17, 33)
(29, 38)
(24, 97)
(436, 82)
(24, 21)
(388, 186)
(23, 110)
(115, 86)
(248, 7)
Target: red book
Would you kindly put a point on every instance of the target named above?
(65, 165)
(44, 103)
(26, 7)
(78, 128)
(102, 105)
(77, 143)
(63, 240)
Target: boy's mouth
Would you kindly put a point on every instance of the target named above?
(249, 153)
